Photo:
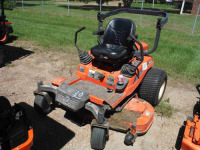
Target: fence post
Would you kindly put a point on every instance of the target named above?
(23, 4)
(100, 5)
(68, 7)
(182, 7)
(195, 19)
(43, 6)
(141, 15)
(153, 4)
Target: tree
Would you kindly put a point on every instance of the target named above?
(102, 1)
(9, 4)
(127, 3)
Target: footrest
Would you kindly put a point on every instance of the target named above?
(71, 97)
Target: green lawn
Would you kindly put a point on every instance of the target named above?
(178, 52)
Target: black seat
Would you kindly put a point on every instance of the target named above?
(109, 51)
(115, 45)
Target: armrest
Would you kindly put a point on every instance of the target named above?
(98, 32)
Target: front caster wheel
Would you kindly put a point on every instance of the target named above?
(43, 104)
(129, 139)
(98, 138)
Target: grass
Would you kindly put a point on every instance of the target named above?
(165, 109)
(178, 52)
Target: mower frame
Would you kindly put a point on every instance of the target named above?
(69, 92)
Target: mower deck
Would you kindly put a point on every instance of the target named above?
(136, 111)
(119, 120)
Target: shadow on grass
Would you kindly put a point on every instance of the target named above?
(12, 53)
(110, 8)
(90, 7)
(19, 4)
(48, 133)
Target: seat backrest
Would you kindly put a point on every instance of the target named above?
(118, 30)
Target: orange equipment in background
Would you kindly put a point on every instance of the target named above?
(16, 133)
(191, 136)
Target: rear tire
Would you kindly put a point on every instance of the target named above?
(152, 87)
(98, 138)
(42, 105)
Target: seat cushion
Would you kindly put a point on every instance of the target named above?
(109, 51)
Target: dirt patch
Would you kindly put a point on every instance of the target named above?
(18, 82)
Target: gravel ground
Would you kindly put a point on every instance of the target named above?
(18, 81)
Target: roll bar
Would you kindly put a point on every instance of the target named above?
(159, 26)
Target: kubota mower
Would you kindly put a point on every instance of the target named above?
(5, 30)
(191, 137)
(5, 27)
(114, 82)
(15, 130)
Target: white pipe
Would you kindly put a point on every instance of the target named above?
(23, 4)
(100, 5)
(43, 6)
(195, 19)
(68, 7)
(153, 4)
(141, 15)
(182, 7)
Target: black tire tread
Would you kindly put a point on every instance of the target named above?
(98, 138)
(38, 106)
(150, 85)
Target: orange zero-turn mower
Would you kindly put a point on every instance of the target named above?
(5, 26)
(191, 137)
(15, 130)
(5, 30)
(115, 82)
